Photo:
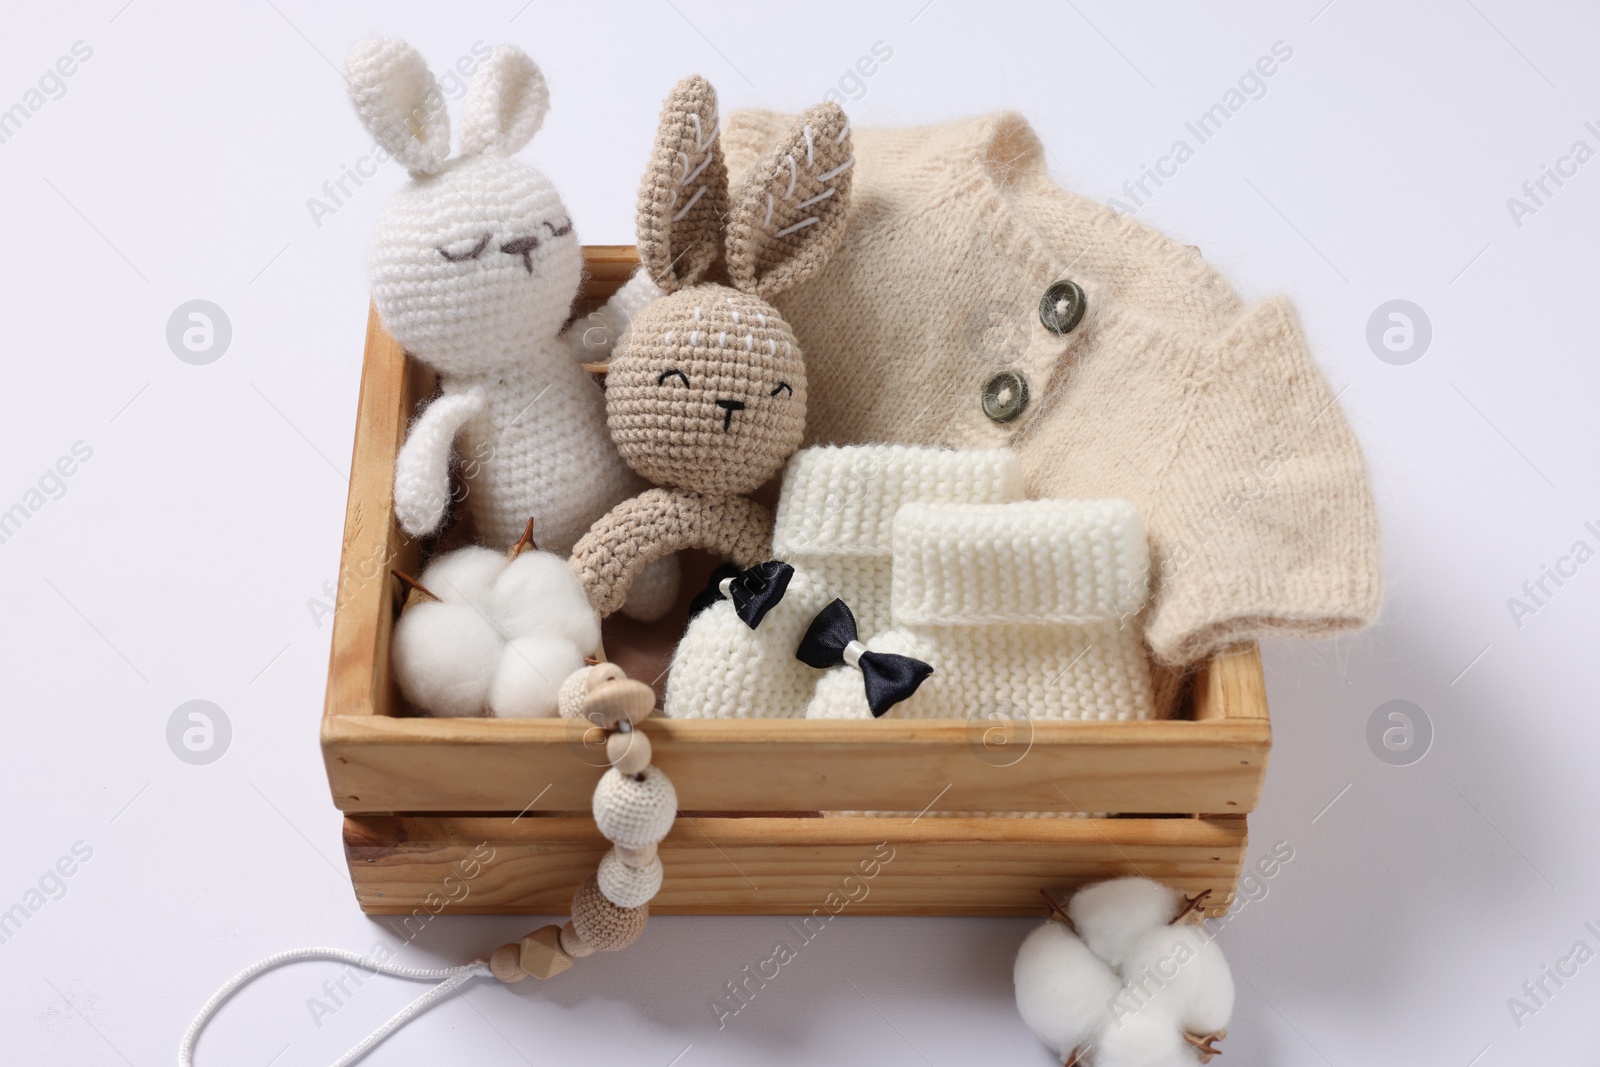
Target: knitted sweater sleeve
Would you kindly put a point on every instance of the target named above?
(1262, 518)
(657, 523)
(1254, 492)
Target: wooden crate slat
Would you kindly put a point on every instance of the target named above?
(764, 866)
(382, 764)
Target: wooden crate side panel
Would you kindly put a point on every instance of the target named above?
(437, 765)
(359, 680)
(763, 866)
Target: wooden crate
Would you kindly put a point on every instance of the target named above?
(484, 816)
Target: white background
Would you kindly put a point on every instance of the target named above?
(180, 561)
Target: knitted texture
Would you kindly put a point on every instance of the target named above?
(625, 886)
(572, 692)
(661, 521)
(722, 669)
(634, 812)
(1032, 562)
(706, 391)
(1208, 415)
(422, 469)
(474, 267)
(835, 526)
(682, 245)
(1024, 610)
(397, 99)
(843, 501)
(776, 242)
(604, 925)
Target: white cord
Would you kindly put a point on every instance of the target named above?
(453, 979)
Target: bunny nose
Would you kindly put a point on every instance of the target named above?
(728, 408)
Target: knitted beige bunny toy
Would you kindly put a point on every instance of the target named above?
(706, 391)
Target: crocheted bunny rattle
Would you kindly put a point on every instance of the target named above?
(474, 267)
(706, 391)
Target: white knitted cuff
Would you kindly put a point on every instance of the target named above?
(1036, 561)
(841, 501)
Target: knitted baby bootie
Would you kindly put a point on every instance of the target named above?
(834, 527)
(1022, 610)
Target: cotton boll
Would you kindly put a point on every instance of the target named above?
(467, 574)
(1142, 1037)
(538, 592)
(1062, 988)
(501, 637)
(1189, 976)
(1111, 915)
(444, 657)
(527, 684)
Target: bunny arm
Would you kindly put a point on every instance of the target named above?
(592, 337)
(422, 469)
(659, 522)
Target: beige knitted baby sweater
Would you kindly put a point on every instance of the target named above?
(1209, 415)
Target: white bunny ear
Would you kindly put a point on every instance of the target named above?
(505, 105)
(398, 100)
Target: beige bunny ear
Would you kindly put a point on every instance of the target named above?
(398, 100)
(505, 105)
(684, 196)
(789, 215)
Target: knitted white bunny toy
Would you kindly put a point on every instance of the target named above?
(475, 265)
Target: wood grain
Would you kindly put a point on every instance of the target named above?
(382, 764)
(763, 866)
(1231, 685)
(359, 680)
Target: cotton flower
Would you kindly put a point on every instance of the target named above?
(500, 638)
(1118, 980)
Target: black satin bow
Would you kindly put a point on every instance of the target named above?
(754, 592)
(889, 678)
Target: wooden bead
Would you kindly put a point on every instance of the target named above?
(629, 752)
(572, 944)
(604, 672)
(506, 963)
(621, 698)
(635, 857)
(542, 954)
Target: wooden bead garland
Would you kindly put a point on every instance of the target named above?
(634, 807)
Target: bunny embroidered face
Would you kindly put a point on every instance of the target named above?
(477, 253)
(707, 391)
(483, 248)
